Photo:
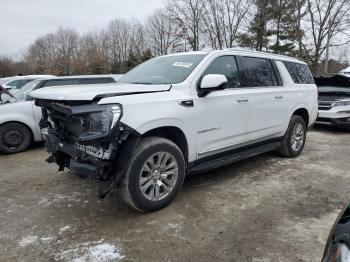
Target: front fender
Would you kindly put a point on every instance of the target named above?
(172, 122)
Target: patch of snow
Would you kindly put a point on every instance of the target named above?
(100, 252)
(95, 251)
(63, 229)
(172, 225)
(28, 240)
(47, 239)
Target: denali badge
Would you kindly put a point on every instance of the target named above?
(208, 130)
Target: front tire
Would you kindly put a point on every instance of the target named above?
(155, 175)
(14, 138)
(292, 143)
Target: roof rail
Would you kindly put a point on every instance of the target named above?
(257, 52)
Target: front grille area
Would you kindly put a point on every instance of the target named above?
(325, 105)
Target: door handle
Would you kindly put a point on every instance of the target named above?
(279, 97)
(242, 99)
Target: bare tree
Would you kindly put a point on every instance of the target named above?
(160, 32)
(66, 42)
(188, 17)
(54, 53)
(224, 19)
(326, 19)
(93, 57)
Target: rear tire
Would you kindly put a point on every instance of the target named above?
(155, 175)
(292, 143)
(14, 138)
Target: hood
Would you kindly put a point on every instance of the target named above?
(91, 92)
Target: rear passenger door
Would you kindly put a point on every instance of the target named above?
(261, 77)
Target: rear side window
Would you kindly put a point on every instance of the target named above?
(225, 65)
(97, 80)
(12, 84)
(21, 83)
(61, 82)
(257, 72)
(300, 73)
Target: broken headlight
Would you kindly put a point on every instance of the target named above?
(98, 121)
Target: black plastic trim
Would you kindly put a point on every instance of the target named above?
(232, 156)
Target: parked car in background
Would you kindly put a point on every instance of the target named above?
(17, 82)
(334, 101)
(345, 72)
(19, 117)
(66, 81)
(178, 114)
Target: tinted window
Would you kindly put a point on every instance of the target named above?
(257, 72)
(97, 80)
(225, 65)
(21, 83)
(12, 84)
(61, 82)
(300, 73)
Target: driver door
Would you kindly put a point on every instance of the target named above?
(224, 118)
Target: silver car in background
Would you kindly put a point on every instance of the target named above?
(19, 117)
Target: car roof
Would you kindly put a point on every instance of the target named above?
(28, 76)
(243, 52)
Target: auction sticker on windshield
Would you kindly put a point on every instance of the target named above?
(183, 64)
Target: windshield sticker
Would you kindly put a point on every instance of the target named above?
(183, 64)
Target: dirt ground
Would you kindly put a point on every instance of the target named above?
(263, 209)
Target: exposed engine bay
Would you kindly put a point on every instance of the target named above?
(85, 137)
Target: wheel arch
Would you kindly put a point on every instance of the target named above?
(174, 134)
(304, 113)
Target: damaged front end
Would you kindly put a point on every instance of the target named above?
(87, 138)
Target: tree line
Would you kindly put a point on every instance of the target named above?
(308, 29)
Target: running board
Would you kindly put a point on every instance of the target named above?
(232, 158)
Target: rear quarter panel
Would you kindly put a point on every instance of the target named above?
(298, 96)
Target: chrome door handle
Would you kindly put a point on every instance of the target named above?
(279, 97)
(242, 99)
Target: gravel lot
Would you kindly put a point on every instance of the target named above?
(263, 209)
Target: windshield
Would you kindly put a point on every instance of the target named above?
(21, 94)
(163, 70)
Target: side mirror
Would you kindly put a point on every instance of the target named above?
(210, 83)
(213, 81)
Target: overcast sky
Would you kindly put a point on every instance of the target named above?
(22, 21)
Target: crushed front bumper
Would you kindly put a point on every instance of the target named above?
(81, 159)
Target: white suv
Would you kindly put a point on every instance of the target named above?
(178, 114)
